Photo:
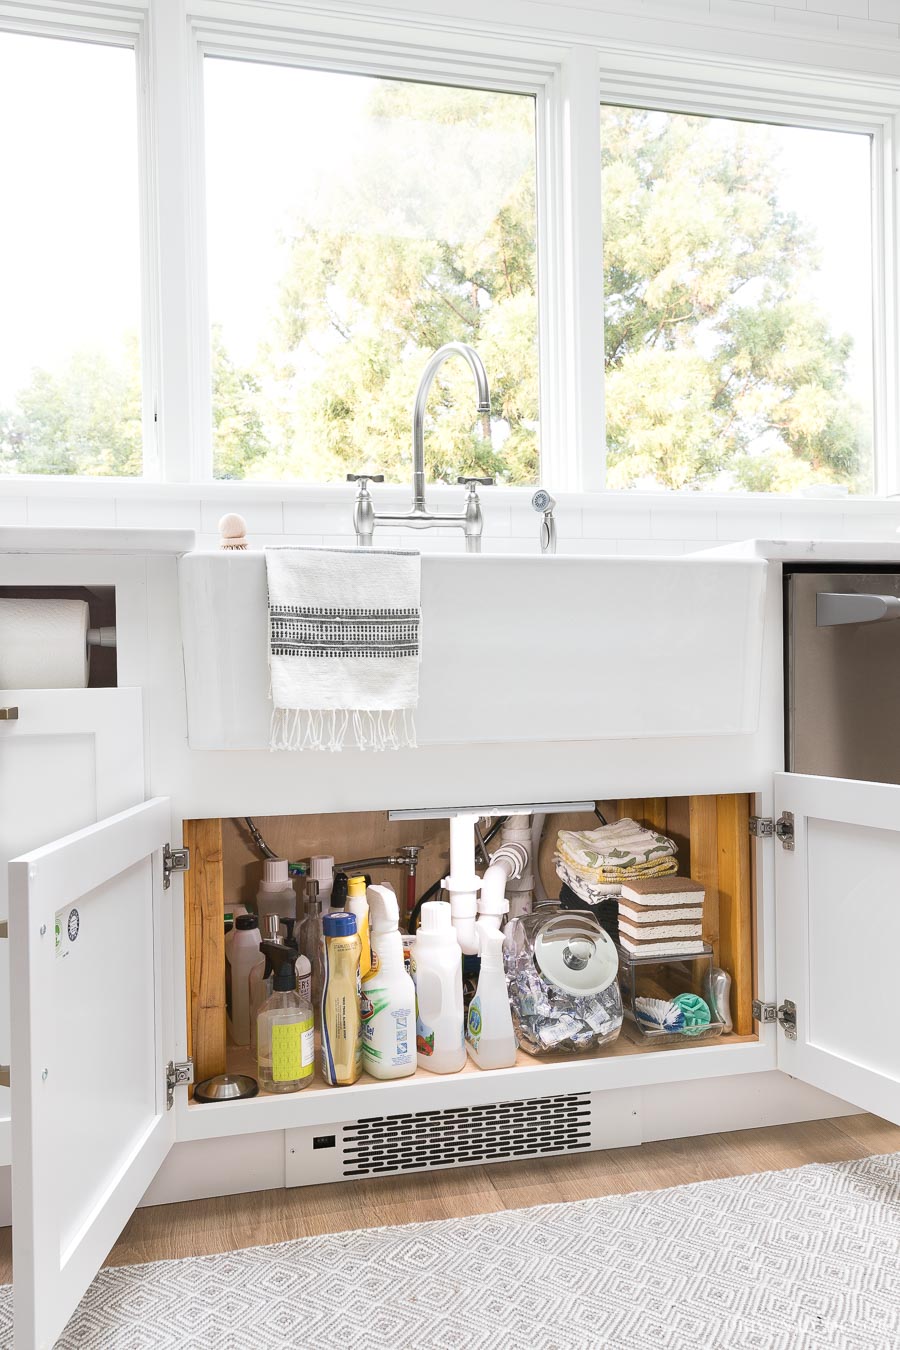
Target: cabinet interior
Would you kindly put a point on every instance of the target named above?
(714, 848)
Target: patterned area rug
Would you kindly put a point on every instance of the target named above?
(796, 1260)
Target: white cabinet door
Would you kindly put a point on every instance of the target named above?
(837, 932)
(69, 758)
(91, 942)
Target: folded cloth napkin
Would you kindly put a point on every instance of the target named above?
(343, 647)
(611, 878)
(624, 848)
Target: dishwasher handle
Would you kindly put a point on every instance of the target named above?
(839, 607)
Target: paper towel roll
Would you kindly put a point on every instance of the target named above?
(43, 644)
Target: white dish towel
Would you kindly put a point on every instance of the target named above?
(343, 647)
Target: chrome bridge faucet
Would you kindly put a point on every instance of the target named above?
(470, 520)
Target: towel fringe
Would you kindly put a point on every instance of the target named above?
(337, 729)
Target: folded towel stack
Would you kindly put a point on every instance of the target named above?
(596, 863)
(661, 917)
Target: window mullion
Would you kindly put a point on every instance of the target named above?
(179, 421)
(582, 456)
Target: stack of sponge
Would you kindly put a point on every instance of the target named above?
(661, 916)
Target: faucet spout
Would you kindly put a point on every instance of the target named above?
(476, 365)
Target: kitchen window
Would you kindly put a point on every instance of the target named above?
(70, 271)
(236, 240)
(376, 220)
(738, 304)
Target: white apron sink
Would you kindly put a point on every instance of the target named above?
(524, 648)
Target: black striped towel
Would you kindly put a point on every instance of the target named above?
(343, 647)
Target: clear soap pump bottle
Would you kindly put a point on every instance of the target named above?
(284, 1031)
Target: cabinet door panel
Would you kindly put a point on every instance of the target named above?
(837, 936)
(71, 757)
(90, 939)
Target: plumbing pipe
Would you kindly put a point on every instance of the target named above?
(520, 890)
(506, 864)
(463, 882)
(537, 834)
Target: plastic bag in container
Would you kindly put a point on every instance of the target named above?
(561, 971)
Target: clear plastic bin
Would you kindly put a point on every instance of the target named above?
(652, 984)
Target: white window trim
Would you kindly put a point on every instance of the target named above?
(569, 73)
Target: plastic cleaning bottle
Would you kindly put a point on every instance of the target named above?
(285, 1037)
(241, 954)
(358, 906)
(308, 933)
(261, 975)
(321, 869)
(341, 1025)
(437, 969)
(490, 1039)
(388, 1003)
(276, 894)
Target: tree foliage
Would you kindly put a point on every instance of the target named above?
(719, 369)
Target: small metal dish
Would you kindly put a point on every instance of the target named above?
(226, 1087)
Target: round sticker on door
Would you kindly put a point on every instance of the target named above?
(73, 924)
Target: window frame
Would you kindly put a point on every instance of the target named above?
(123, 26)
(570, 74)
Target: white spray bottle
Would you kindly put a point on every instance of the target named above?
(490, 1039)
(388, 1001)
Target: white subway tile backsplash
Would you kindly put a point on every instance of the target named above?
(761, 524)
(806, 21)
(72, 511)
(858, 9)
(319, 517)
(742, 9)
(861, 525)
(615, 523)
(158, 513)
(661, 548)
(805, 525)
(684, 524)
(872, 28)
(888, 11)
(592, 547)
(261, 517)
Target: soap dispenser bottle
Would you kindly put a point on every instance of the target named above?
(284, 1035)
(490, 1039)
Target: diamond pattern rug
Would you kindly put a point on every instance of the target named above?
(806, 1259)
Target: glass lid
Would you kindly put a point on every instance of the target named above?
(576, 955)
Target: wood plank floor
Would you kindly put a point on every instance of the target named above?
(228, 1222)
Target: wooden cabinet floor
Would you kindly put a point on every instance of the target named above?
(229, 1222)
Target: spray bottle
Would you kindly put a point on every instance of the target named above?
(490, 1039)
(358, 905)
(388, 1003)
(341, 1025)
(285, 1037)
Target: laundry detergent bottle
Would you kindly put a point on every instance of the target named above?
(388, 1002)
(437, 970)
(490, 1039)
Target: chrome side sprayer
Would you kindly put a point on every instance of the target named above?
(546, 505)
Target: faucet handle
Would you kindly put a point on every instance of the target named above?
(365, 478)
(472, 483)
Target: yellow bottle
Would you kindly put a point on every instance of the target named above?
(358, 904)
(341, 1022)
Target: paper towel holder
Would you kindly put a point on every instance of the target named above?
(101, 637)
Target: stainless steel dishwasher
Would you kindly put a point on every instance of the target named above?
(843, 673)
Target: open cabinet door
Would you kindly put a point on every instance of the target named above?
(90, 948)
(837, 933)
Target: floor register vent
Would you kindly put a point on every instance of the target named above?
(421, 1141)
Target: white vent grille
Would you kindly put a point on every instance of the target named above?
(459, 1137)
